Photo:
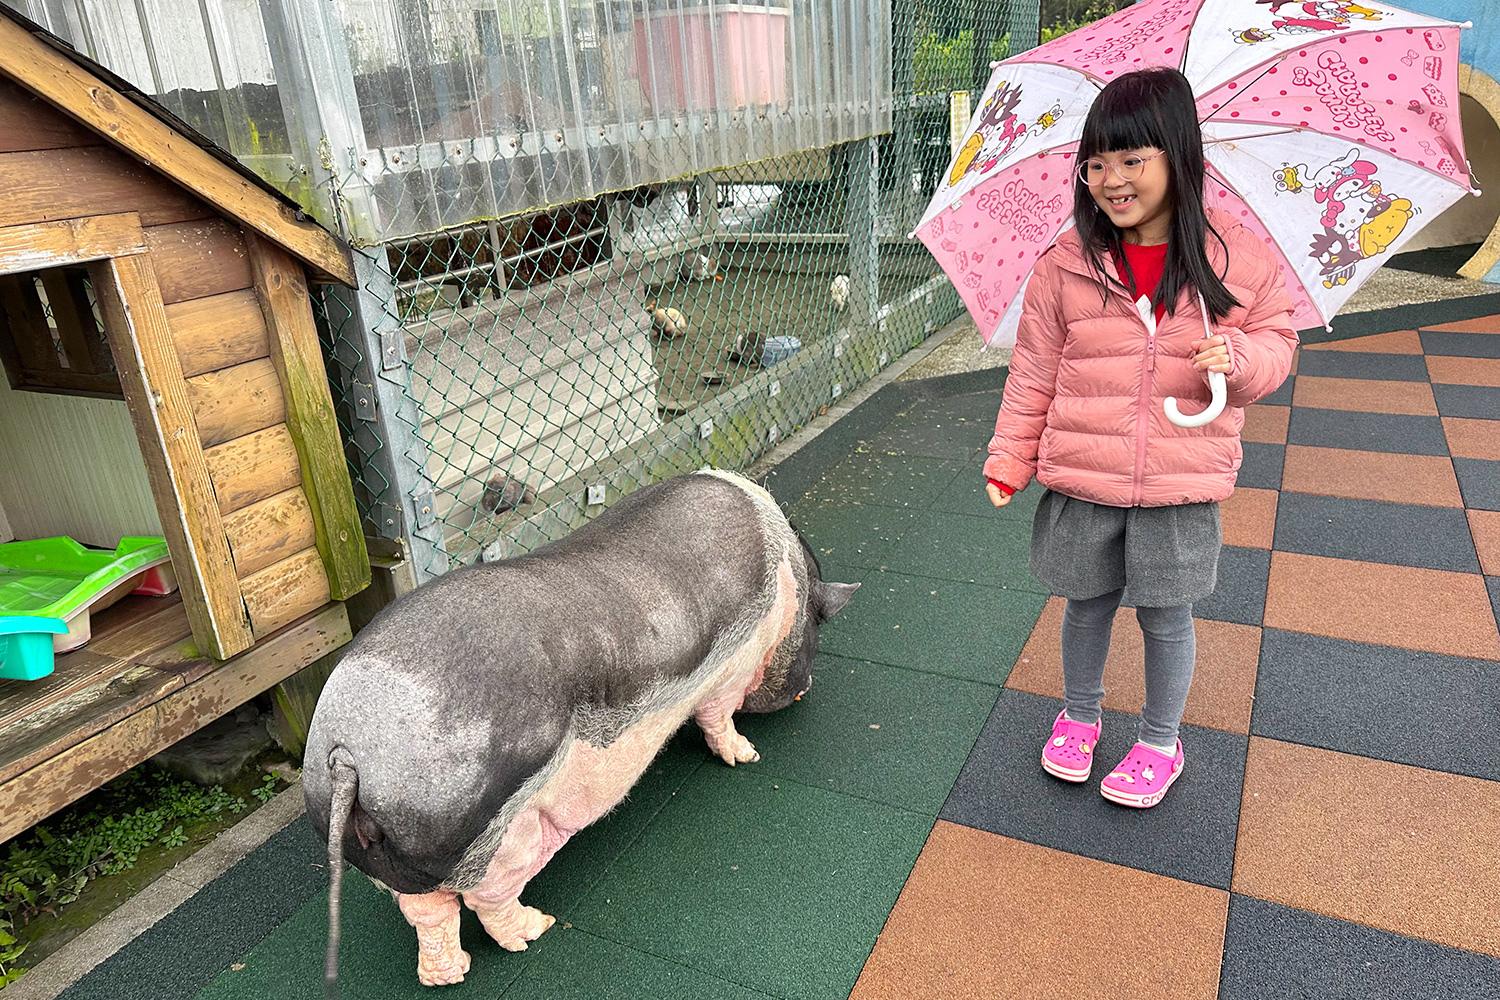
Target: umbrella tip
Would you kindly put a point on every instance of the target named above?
(996, 62)
(1466, 25)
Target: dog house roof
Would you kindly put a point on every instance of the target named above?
(128, 119)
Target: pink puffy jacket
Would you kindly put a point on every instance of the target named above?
(1082, 410)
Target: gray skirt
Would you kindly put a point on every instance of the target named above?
(1163, 556)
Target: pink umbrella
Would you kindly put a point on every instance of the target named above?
(1331, 129)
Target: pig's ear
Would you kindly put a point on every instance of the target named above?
(832, 597)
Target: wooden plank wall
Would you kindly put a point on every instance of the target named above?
(51, 168)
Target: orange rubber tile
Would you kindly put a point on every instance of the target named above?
(1484, 324)
(1429, 609)
(1365, 395)
(1266, 424)
(1248, 518)
(1223, 690)
(987, 916)
(1464, 371)
(1388, 845)
(1485, 526)
(1371, 475)
(1398, 342)
(1470, 438)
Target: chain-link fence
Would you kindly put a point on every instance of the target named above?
(597, 243)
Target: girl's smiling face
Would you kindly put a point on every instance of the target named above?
(1141, 207)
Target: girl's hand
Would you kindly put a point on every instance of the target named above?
(1212, 355)
(997, 495)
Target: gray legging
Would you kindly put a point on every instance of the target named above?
(1170, 649)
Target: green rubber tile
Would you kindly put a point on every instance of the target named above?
(968, 549)
(966, 495)
(887, 480)
(896, 736)
(963, 630)
(579, 966)
(850, 534)
(930, 431)
(763, 882)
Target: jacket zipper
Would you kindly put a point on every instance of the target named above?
(1147, 313)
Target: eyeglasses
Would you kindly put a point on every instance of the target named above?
(1094, 171)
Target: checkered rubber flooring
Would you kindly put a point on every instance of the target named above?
(1336, 833)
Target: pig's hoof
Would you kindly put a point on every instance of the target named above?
(530, 924)
(443, 973)
(739, 750)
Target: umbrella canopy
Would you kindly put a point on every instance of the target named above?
(1331, 129)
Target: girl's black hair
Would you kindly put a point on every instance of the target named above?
(1154, 107)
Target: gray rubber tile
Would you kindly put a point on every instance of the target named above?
(1462, 345)
(1283, 394)
(1371, 531)
(1190, 835)
(1478, 401)
(1261, 466)
(1479, 482)
(1398, 433)
(1241, 594)
(966, 548)
(1378, 701)
(850, 534)
(1358, 364)
(886, 480)
(966, 495)
(1277, 951)
(1492, 583)
(959, 630)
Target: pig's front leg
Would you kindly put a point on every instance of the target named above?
(716, 719)
(512, 924)
(440, 959)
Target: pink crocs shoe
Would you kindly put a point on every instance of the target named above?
(1069, 754)
(1143, 777)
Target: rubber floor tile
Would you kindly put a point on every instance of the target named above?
(1479, 481)
(993, 917)
(1261, 466)
(883, 733)
(1241, 594)
(886, 480)
(1378, 701)
(1276, 951)
(1485, 526)
(1492, 583)
(1223, 681)
(1266, 424)
(1365, 395)
(854, 534)
(1248, 518)
(966, 495)
(1353, 364)
(1004, 790)
(1427, 609)
(1484, 324)
(579, 966)
(1463, 345)
(1398, 533)
(1395, 342)
(961, 630)
(1371, 475)
(1396, 847)
(955, 438)
(185, 950)
(1383, 432)
(1283, 394)
(1469, 438)
(1464, 371)
(968, 549)
(766, 883)
(1478, 402)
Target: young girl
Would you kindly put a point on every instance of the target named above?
(1132, 500)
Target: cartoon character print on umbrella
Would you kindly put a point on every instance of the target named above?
(999, 129)
(1317, 16)
(1360, 219)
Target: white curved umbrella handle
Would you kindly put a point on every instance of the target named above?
(1215, 405)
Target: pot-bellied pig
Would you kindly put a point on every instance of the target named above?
(481, 720)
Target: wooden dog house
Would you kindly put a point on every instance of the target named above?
(163, 376)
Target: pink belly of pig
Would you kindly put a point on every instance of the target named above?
(588, 783)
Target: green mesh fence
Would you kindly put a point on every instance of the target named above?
(501, 382)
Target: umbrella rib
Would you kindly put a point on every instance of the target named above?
(1214, 113)
(1098, 82)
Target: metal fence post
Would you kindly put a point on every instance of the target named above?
(862, 208)
(370, 349)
